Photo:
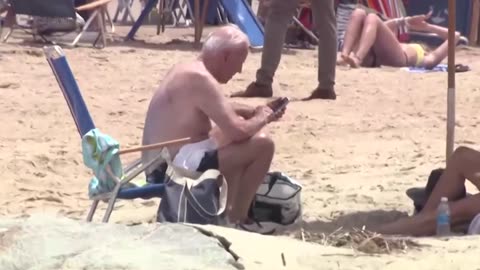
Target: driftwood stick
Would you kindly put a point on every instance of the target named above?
(153, 146)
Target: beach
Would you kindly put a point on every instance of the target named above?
(355, 156)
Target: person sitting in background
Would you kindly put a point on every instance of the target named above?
(371, 42)
(189, 99)
(463, 164)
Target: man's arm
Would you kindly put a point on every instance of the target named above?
(243, 110)
(209, 100)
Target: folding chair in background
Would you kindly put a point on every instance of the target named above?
(71, 92)
(124, 6)
(62, 10)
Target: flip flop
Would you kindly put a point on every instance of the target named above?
(461, 68)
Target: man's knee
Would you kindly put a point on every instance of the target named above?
(463, 153)
(263, 143)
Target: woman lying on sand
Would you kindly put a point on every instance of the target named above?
(462, 165)
(371, 42)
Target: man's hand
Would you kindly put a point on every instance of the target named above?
(275, 104)
(264, 112)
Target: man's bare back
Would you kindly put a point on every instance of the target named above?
(173, 112)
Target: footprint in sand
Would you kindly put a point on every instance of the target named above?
(10, 85)
(148, 203)
(48, 198)
(40, 174)
(360, 198)
(41, 159)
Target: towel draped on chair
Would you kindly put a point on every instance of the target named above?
(100, 152)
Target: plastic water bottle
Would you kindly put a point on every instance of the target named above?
(443, 218)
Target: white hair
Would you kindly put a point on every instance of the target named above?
(229, 36)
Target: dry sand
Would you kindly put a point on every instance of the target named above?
(356, 156)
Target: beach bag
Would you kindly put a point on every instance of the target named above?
(277, 200)
(198, 201)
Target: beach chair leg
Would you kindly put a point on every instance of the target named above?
(111, 203)
(125, 16)
(92, 210)
(97, 39)
(101, 24)
(1, 26)
(189, 10)
(129, 11)
(85, 27)
(136, 25)
(7, 35)
(110, 21)
(117, 12)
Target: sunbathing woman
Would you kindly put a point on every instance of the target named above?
(371, 42)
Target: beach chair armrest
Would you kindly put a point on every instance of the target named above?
(92, 5)
(135, 172)
(133, 165)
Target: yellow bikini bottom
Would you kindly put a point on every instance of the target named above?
(420, 53)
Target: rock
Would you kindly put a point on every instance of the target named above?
(46, 242)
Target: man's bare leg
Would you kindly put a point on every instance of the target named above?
(424, 223)
(463, 164)
(246, 164)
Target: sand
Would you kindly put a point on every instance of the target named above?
(356, 156)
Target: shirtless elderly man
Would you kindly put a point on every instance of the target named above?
(186, 102)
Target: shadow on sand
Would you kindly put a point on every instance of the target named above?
(369, 219)
(185, 43)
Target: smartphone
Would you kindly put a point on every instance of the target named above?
(282, 104)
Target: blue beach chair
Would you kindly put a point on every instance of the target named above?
(66, 80)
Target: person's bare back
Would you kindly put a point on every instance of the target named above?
(173, 113)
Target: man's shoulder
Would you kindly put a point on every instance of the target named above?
(197, 78)
(192, 71)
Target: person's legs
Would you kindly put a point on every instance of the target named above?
(368, 36)
(245, 166)
(378, 36)
(326, 26)
(439, 54)
(354, 28)
(279, 15)
(463, 164)
(424, 223)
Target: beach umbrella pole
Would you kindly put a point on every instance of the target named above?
(451, 78)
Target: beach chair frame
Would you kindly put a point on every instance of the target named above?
(84, 123)
(125, 7)
(98, 9)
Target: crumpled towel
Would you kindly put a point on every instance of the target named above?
(100, 150)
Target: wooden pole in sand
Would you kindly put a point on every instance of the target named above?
(451, 78)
